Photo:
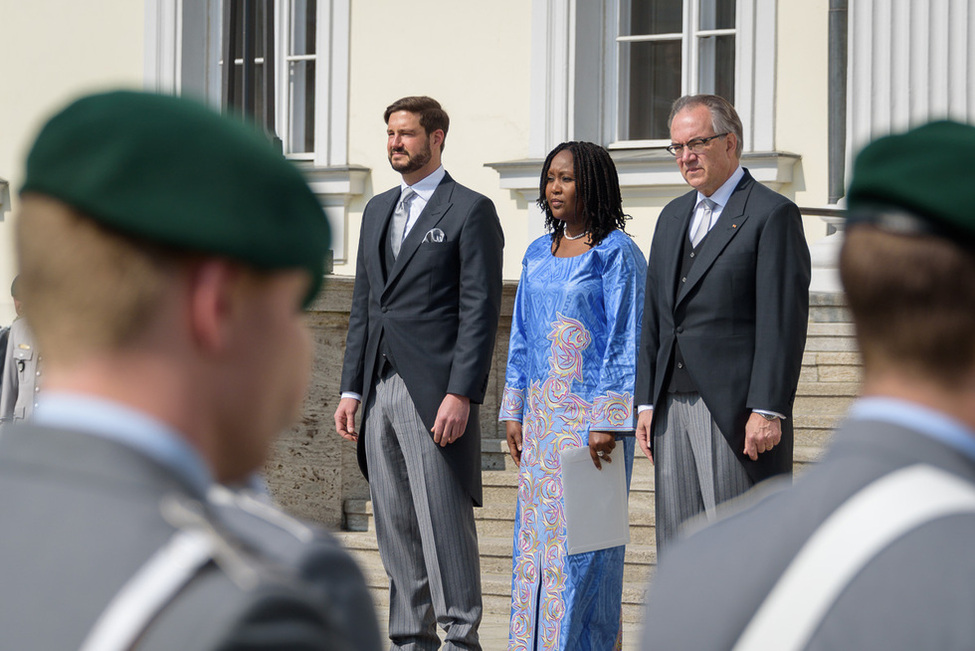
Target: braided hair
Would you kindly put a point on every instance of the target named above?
(598, 197)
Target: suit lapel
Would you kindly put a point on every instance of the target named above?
(680, 222)
(432, 213)
(375, 245)
(728, 225)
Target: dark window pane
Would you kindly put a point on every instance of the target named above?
(654, 84)
(717, 72)
(258, 90)
(717, 14)
(654, 17)
(259, 25)
(304, 26)
(302, 85)
(259, 93)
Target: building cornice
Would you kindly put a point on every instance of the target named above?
(648, 172)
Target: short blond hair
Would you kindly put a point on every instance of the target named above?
(85, 287)
(913, 302)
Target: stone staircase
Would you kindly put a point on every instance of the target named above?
(828, 384)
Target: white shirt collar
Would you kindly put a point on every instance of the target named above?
(723, 194)
(426, 186)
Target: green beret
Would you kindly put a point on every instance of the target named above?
(919, 181)
(173, 172)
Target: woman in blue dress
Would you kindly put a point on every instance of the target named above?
(569, 383)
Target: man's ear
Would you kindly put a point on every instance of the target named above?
(731, 142)
(213, 288)
(438, 137)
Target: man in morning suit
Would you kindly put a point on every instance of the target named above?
(421, 336)
(166, 254)
(872, 547)
(724, 324)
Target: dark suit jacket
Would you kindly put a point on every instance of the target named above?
(437, 311)
(915, 594)
(740, 316)
(81, 515)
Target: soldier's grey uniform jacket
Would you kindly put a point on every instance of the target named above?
(103, 546)
(915, 593)
(21, 374)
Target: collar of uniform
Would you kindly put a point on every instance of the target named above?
(426, 186)
(930, 423)
(723, 194)
(124, 425)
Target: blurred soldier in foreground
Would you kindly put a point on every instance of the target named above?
(166, 254)
(872, 548)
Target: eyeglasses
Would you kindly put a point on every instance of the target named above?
(695, 146)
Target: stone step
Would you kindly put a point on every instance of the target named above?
(827, 366)
(497, 611)
(820, 330)
(828, 308)
(497, 521)
(838, 344)
(496, 571)
(825, 403)
(814, 437)
(496, 560)
(494, 454)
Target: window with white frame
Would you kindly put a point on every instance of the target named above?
(300, 57)
(293, 37)
(665, 49)
(609, 70)
(308, 49)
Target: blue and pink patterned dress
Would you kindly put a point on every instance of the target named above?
(571, 368)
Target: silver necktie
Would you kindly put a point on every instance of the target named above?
(401, 215)
(704, 225)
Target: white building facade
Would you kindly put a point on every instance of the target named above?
(517, 78)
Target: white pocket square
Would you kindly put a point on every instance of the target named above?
(434, 235)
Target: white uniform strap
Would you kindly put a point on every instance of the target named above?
(851, 537)
(149, 590)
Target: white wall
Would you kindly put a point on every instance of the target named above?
(50, 52)
(802, 103)
(474, 58)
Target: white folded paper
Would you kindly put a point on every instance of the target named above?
(597, 515)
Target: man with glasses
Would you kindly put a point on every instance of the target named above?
(871, 549)
(724, 325)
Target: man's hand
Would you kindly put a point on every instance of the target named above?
(643, 421)
(512, 431)
(345, 418)
(761, 435)
(601, 446)
(451, 419)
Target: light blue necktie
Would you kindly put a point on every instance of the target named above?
(704, 225)
(400, 216)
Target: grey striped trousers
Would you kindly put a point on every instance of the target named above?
(424, 525)
(694, 467)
